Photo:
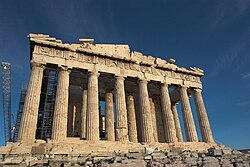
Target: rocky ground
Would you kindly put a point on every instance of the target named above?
(215, 157)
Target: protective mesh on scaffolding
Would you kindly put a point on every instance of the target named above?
(46, 106)
(19, 112)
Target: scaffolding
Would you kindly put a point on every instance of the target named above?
(19, 112)
(46, 107)
(6, 90)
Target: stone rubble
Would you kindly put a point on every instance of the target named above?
(214, 157)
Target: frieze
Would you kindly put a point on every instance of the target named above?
(111, 62)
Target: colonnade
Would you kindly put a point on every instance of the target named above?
(126, 124)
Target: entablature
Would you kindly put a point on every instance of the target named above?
(114, 59)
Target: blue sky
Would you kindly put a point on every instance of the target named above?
(210, 34)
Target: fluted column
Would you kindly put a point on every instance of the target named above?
(92, 120)
(28, 123)
(146, 119)
(177, 123)
(121, 111)
(202, 117)
(168, 119)
(153, 116)
(109, 120)
(60, 116)
(189, 125)
(132, 128)
(83, 113)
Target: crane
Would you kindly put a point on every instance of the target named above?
(6, 92)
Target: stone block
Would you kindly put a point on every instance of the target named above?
(191, 161)
(227, 151)
(173, 154)
(28, 159)
(88, 163)
(158, 155)
(210, 161)
(35, 162)
(158, 164)
(97, 160)
(134, 151)
(149, 150)
(194, 154)
(119, 159)
(214, 152)
(186, 154)
(235, 152)
(148, 157)
(8, 160)
(134, 156)
(17, 160)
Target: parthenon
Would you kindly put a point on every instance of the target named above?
(141, 94)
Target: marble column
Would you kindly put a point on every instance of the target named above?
(154, 122)
(146, 119)
(121, 111)
(92, 120)
(177, 122)
(189, 125)
(60, 116)
(202, 117)
(83, 113)
(109, 119)
(132, 128)
(168, 119)
(28, 123)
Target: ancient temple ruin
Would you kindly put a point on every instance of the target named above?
(92, 104)
(139, 107)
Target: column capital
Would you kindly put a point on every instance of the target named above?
(183, 87)
(63, 68)
(93, 73)
(143, 80)
(165, 84)
(120, 77)
(35, 64)
(197, 89)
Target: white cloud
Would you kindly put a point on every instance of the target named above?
(244, 103)
(227, 11)
(230, 57)
(245, 76)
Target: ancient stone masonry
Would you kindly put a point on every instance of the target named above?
(111, 73)
(109, 98)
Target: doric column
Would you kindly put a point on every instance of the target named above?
(202, 117)
(177, 123)
(132, 129)
(109, 120)
(92, 120)
(60, 116)
(153, 116)
(168, 119)
(189, 125)
(28, 123)
(146, 119)
(121, 111)
(83, 113)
